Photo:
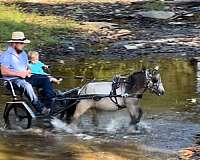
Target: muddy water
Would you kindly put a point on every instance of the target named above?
(169, 123)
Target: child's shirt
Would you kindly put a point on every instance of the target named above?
(36, 68)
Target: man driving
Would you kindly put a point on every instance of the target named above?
(14, 67)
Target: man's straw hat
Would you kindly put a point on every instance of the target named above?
(18, 37)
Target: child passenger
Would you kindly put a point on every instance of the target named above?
(37, 67)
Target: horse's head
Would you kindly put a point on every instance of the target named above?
(153, 81)
(150, 79)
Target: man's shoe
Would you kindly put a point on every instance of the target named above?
(45, 111)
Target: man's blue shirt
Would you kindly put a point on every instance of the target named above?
(13, 61)
(1, 56)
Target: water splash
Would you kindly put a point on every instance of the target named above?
(145, 126)
(60, 125)
(115, 124)
(84, 136)
(112, 126)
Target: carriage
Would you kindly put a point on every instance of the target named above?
(19, 113)
(70, 104)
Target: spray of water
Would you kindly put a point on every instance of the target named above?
(115, 124)
(118, 123)
(60, 125)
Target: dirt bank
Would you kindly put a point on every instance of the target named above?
(121, 32)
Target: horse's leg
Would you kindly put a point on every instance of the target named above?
(81, 108)
(135, 113)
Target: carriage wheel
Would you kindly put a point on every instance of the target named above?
(17, 117)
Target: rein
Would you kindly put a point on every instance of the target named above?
(117, 82)
(147, 83)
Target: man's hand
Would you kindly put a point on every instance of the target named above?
(28, 73)
(24, 74)
(46, 67)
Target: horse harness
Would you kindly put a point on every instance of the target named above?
(116, 83)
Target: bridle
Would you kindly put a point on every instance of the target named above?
(150, 84)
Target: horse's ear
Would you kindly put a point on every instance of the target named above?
(155, 70)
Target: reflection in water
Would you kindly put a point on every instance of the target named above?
(28, 145)
(168, 122)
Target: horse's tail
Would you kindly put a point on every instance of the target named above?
(70, 111)
(70, 104)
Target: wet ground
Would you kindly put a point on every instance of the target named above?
(170, 122)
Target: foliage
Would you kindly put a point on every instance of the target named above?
(39, 29)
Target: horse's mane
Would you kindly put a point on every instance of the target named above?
(135, 81)
(134, 75)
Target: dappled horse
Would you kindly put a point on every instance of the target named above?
(122, 92)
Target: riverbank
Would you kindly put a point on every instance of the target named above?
(111, 30)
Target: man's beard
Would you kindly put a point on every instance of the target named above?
(18, 50)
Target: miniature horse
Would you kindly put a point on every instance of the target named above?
(122, 92)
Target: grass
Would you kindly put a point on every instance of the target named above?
(39, 29)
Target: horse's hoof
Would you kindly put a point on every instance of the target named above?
(133, 130)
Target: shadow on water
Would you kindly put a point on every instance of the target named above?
(169, 123)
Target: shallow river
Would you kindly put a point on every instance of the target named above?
(169, 123)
